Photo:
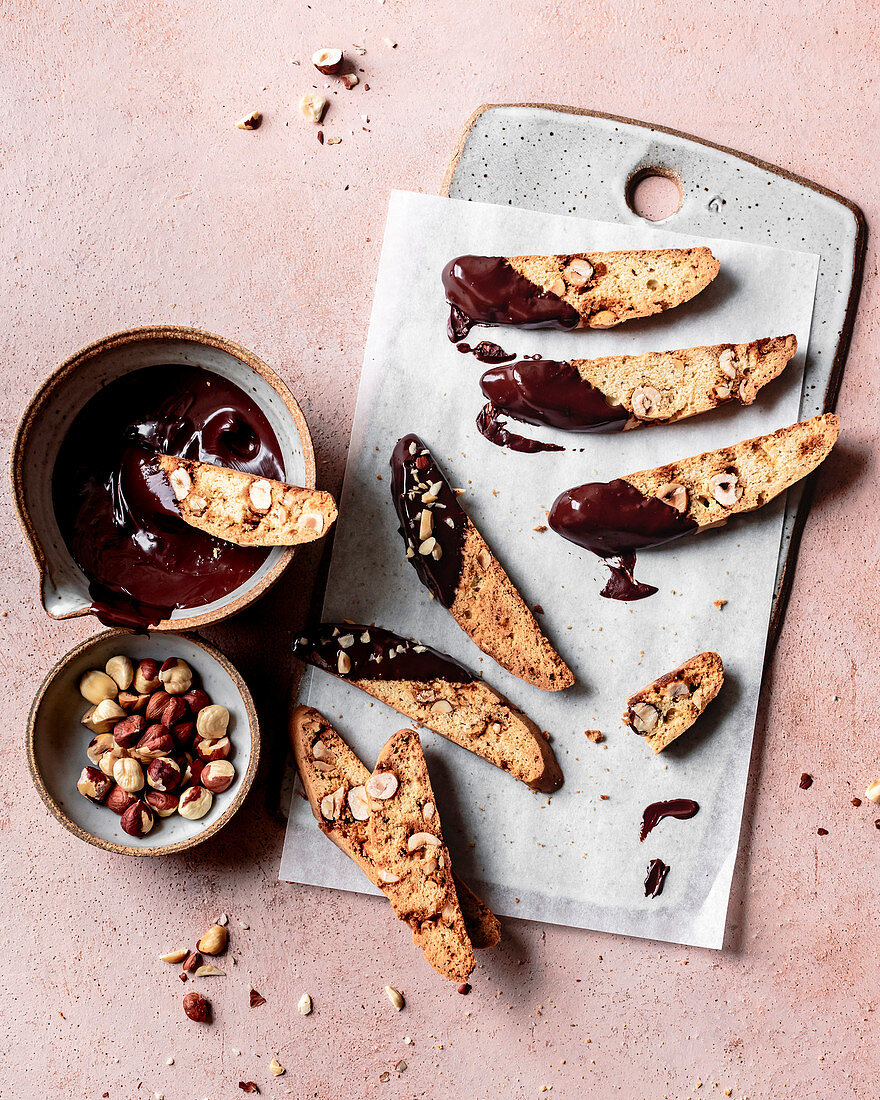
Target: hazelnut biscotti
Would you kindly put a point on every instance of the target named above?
(582, 290)
(334, 781)
(454, 563)
(246, 509)
(663, 710)
(627, 391)
(434, 691)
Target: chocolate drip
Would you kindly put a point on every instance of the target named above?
(492, 428)
(543, 391)
(683, 808)
(486, 352)
(371, 653)
(614, 519)
(486, 290)
(655, 879)
(116, 511)
(416, 476)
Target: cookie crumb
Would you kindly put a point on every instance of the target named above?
(596, 736)
(719, 603)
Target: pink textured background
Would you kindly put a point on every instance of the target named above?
(130, 197)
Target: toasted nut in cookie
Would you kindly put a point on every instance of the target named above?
(260, 496)
(725, 489)
(645, 402)
(97, 686)
(181, 483)
(358, 804)
(331, 804)
(382, 785)
(677, 690)
(644, 717)
(420, 840)
(442, 706)
(725, 362)
(121, 670)
(674, 495)
(578, 273)
(428, 810)
(387, 876)
(557, 287)
(321, 752)
(722, 392)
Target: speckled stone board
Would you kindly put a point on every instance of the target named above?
(568, 161)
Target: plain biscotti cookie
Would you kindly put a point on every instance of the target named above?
(437, 692)
(663, 710)
(246, 509)
(455, 564)
(334, 781)
(406, 840)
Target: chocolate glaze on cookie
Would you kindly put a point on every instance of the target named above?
(655, 879)
(418, 485)
(486, 290)
(371, 653)
(551, 393)
(682, 808)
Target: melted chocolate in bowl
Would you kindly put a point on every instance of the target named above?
(116, 511)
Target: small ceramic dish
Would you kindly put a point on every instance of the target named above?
(57, 741)
(63, 587)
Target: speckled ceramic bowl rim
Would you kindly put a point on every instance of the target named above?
(139, 335)
(200, 837)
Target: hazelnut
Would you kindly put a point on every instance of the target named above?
(197, 1008)
(94, 784)
(253, 121)
(381, 785)
(212, 722)
(195, 767)
(162, 803)
(722, 392)
(108, 760)
(98, 686)
(327, 61)
(137, 820)
(119, 800)
(304, 1005)
(873, 792)
(164, 774)
(214, 940)
(343, 661)
(678, 689)
(184, 733)
(421, 840)
(358, 803)
(395, 997)
(312, 106)
(725, 488)
(674, 495)
(129, 731)
(725, 362)
(102, 717)
(121, 670)
(180, 482)
(157, 703)
(196, 699)
(99, 745)
(146, 677)
(644, 717)
(214, 750)
(195, 803)
(605, 318)
(131, 702)
(156, 741)
(217, 775)
(260, 496)
(176, 676)
(331, 804)
(128, 774)
(173, 712)
(578, 273)
(645, 402)
(387, 876)
(349, 81)
(557, 287)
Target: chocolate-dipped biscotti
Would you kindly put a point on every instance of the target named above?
(246, 509)
(626, 391)
(582, 290)
(437, 692)
(454, 563)
(334, 781)
(669, 706)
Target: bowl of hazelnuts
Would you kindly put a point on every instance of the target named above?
(143, 745)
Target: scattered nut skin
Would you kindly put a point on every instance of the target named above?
(256, 999)
(101, 743)
(119, 800)
(214, 940)
(194, 803)
(212, 722)
(253, 121)
(121, 671)
(128, 774)
(197, 1008)
(137, 820)
(644, 717)
(176, 676)
(97, 686)
(162, 803)
(94, 784)
(174, 956)
(214, 750)
(312, 106)
(146, 677)
(349, 81)
(217, 775)
(673, 494)
(129, 731)
(724, 488)
(304, 1006)
(103, 716)
(381, 785)
(164, 774)
(327, 61)
(395, 997)
(872, 792)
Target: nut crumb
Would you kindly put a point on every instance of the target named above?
(538, 609)
(257, 999)
(253, 121)
(390, 43)
(596, 736)
(334, 141)
(856, 801)
(806, 781)
(400, 1066)
(276, 1069)
(464, 989)
(719, 603)
(304, 1007)
(395, 997)
(604, 797)
(248, 1086)
(824, 832)
(541, 528)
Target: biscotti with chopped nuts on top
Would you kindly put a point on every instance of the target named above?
(455, 564)
(709, 488)
(333, 779)
(663, 710)
(246, 509)
(406, 841)
(435, 691)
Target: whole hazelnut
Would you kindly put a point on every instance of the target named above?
(103, 716)
(163, 803)
(212, 722)
(217, 775)
(98, 686)
(94, 784)
(156, 705)
(163, 774)
(214, 941)
(131, 702)
(146, 677)
(174, 711)
(129, 731)
(128, 774)
(155, 742)
(196, 699)
(184, 733)
(119, 800)
(197, 1008)
(214, 750)
(328, 62)
(176, 676)
(121, 670)
(108, 760)
(195, 803)
(138, 819)
(98, 746)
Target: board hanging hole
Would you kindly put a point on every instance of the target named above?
(654, 194)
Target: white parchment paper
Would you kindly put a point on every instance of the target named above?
(573, 858)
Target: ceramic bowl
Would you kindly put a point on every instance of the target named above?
(64, 589)
(57, 741)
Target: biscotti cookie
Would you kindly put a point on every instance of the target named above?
(406, 841)
(627, 391)
(246, 509)
(334, 781)
(662, 711)
(454, 563)
(585, 289)
(437, 692)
